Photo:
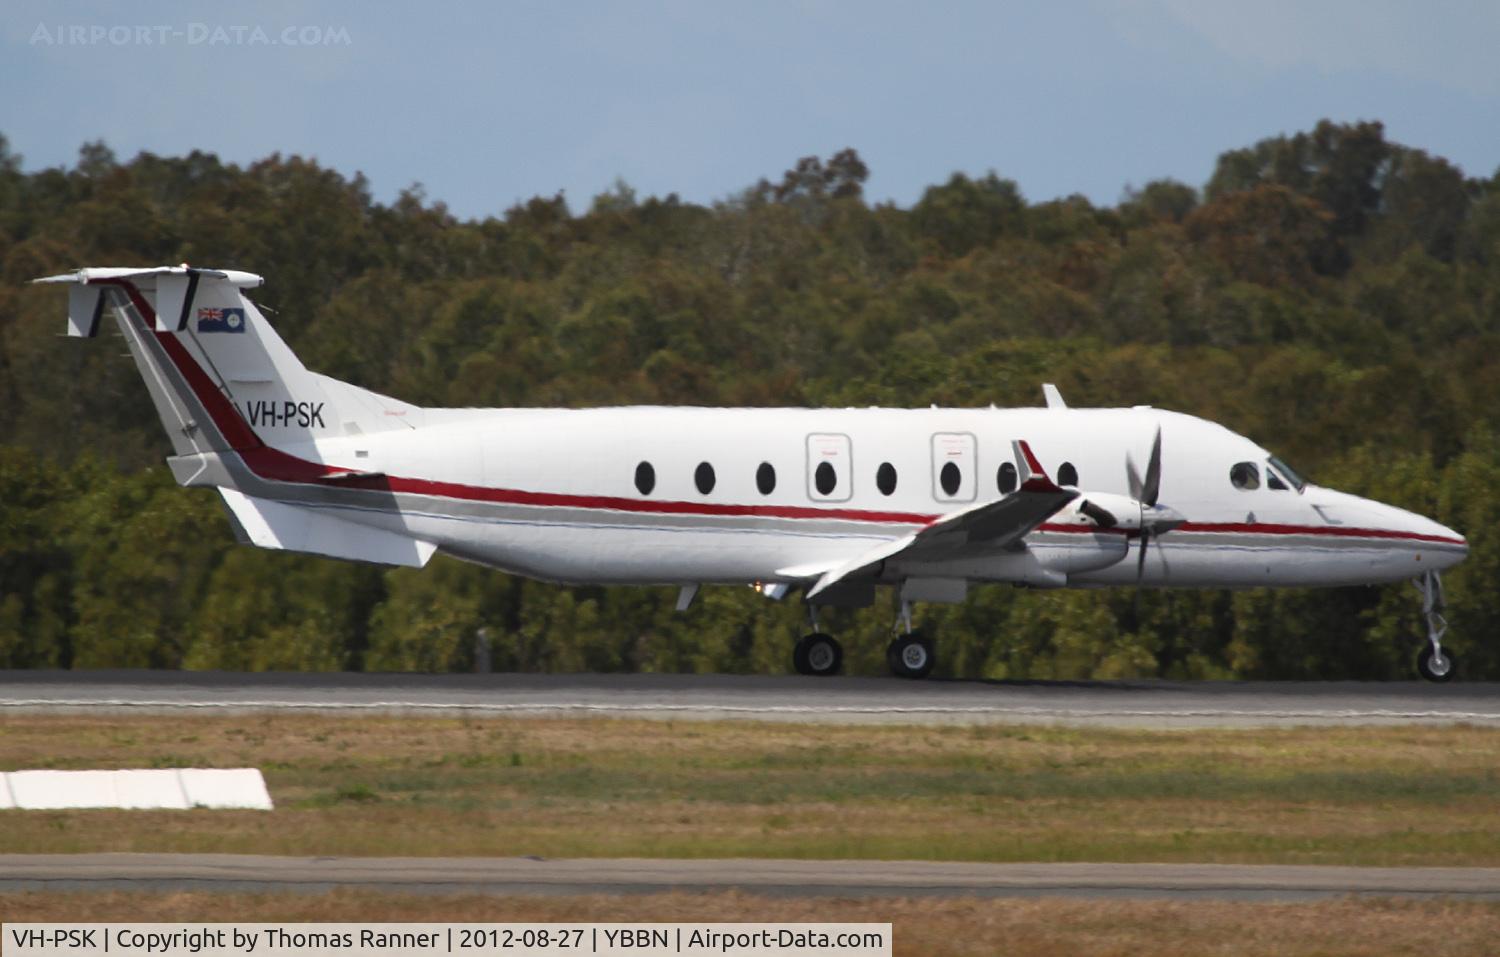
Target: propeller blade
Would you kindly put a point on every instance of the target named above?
(1140, 575)
(1152, 487)
(1132, 477)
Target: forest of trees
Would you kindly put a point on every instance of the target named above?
(1332, 294)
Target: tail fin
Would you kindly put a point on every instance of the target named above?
(243, 412)
(219, 375)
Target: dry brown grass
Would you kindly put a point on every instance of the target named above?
(931, 927)
(573, 788)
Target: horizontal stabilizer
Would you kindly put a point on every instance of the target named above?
(297, 528)
(245, 280)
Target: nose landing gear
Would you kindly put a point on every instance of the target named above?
(1433, 663)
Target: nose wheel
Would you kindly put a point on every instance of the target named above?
(1433, 663)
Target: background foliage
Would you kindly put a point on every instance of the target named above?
(1331, 293)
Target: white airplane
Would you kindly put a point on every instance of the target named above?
(830, 502)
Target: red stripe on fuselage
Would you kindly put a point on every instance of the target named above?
(278, 466)
(234, 429)
(1329, 531)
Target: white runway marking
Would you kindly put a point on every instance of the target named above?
(761, 698)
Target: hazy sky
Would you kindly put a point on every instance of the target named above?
(486, 104)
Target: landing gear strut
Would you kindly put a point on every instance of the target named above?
(909, 655)
(1433, 663)
(817, 653)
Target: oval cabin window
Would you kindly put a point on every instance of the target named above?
(645, 478)
(1244, 475)
(765, 478)
(703, 477)
(950, 478)
(825, 479)
(1005, 479)
(885, 478)
(1067, 475)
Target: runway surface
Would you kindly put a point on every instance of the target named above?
(514, 875)
(763, 698)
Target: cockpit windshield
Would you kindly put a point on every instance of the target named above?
(1298, 482)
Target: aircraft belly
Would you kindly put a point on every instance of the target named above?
(625, 554)
(1180, 561)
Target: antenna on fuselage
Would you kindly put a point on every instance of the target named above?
(1054, 397)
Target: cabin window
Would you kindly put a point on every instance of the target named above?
(645, 478)
(955, 460)
(1067, 475)
(885, 478)
(1006, 478)
(703, 477)
(765, 478)
(1244, 475)
(825, 478)
(829, 461)
(950, 478)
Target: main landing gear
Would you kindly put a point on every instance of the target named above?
(908, 655)
(1433, 662)
(817, 654)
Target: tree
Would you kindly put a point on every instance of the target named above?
(1267, 235)
(963, 213)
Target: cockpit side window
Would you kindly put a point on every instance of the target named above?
(1273, 481)
(1244, 475)
(1286, 472)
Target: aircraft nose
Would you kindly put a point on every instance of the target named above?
(1457, 551)
(1435, 542)
(1432, 543)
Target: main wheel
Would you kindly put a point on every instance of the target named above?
(910, 656)
(818, 654)
(1436, 665)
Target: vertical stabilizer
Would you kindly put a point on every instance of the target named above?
(219, 375)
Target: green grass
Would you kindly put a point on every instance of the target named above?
(378, 786)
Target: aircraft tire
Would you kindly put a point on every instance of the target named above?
(1440, 672)
(911, 656)
(818, 654)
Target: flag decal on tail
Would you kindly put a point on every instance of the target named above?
(221, 320)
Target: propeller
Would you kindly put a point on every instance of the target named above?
(1156, 519)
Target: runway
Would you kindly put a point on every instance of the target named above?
(249, 873)
(1160, 704)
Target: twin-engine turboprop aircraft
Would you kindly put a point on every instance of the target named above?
(830, 502)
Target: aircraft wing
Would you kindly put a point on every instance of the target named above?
(992, 525)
